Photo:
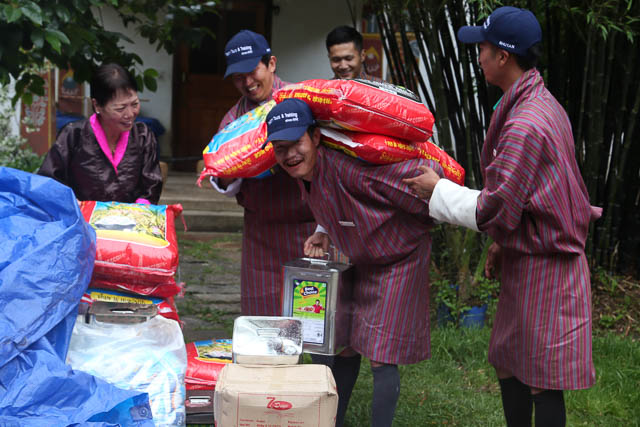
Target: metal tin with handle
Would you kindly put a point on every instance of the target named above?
(319, 292)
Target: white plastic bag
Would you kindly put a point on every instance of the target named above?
(149, 356)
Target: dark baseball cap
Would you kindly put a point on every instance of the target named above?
(288, 121)
(512, 29)
(243, 52)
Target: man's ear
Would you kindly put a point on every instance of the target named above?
(316, 136)
(272, 64)
(363, 56)
(503, 56)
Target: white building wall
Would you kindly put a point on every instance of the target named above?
(298, 36)
(154, 104)
(299, 30)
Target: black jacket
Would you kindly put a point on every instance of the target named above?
(77, 161)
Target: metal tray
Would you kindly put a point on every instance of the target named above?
(265, 340)
(121, 312)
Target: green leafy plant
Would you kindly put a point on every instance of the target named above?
(71, 34)
(14, 152)
(458, 270)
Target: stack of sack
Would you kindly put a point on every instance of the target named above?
(137, 248)
(205, 360)
(138, 344)
(266, 384)
(377, 122)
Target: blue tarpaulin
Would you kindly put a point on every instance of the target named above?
(47, 253)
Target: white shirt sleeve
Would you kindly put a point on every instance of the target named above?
(321, 229)
(454, 204)
(231, 190)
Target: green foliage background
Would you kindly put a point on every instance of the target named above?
(70, 33)
(590, 62)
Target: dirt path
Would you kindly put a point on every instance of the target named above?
(210, 268)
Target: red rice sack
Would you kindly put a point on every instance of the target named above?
(166, 307)
(364, 106)
(135, 242)
(380, 150)
(236, 151)
(205, 360)
(138, 287)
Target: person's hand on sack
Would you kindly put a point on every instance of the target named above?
(316, 245)
(423, 185)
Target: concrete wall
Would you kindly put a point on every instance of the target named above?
(298, 36)
(154, 104)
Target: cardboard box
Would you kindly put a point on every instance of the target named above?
(275, 396)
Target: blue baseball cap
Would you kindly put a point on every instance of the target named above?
(288, 121)
(243, 52)
(512, 29)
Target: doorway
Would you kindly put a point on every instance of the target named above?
(201, 96)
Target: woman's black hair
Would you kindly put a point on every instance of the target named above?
(110, 79)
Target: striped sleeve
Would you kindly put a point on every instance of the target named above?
(509, 178)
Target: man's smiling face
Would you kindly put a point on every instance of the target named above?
(298, 158)
(346, 61)
(258, 84)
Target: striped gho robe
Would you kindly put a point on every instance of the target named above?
(370, 216)
(276, 224)
(535, 205)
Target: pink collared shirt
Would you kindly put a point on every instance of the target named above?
(121, 146)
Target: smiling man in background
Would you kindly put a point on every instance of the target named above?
(346, 54)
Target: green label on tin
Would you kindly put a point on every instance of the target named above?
(309, 303)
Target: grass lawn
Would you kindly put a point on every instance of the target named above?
(457, 386)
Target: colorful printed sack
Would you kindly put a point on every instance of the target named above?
(236, 151)
(135, 242)
(138, 287)
(205, 360)
(379, 149)
(364, 106)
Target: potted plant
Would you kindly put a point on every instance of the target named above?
(462, 292)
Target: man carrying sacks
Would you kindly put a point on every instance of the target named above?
(370, 216)
(276, 219)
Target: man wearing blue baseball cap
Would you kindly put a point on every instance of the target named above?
(276, 220)
(535, 206)
(370, 216)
